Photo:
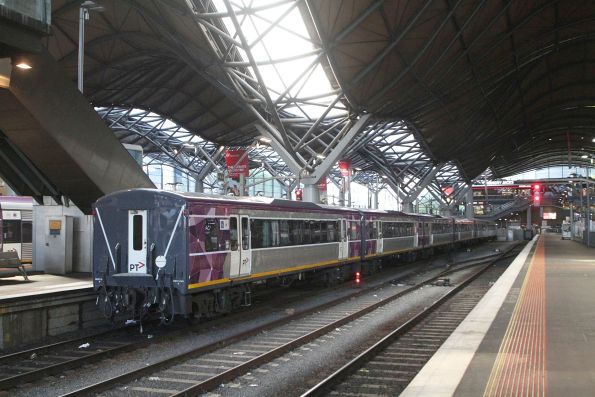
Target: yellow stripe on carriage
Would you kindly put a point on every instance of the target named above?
(296, 268)
(272, 272)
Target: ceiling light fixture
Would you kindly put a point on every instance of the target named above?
(24, 65)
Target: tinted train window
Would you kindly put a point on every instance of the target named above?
(332, 232)
(396, 229)
(354, 231)
(27, 231)
(211, 227)
(233, 233)
(11, 231)
(295, 231)
(283, 233)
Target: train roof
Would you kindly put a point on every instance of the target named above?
(283, 203)
(16, 202)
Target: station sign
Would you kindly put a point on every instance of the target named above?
(345, 167)
(237, 163)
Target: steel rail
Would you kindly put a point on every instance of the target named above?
(236, 371)
(325, 386)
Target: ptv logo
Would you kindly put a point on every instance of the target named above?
(136, 266)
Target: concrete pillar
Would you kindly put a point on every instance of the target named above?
(445, 211)
(469, 213)
(199, 186)
(529, 220)
(311, 193)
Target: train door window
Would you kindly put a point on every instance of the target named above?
(11, 231)
(245, 234)
(137, 232)
(27, 231)
(233, 233)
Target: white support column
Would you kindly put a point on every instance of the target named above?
(374, 199)
(311, 193)
(199, 186)
(469, 213)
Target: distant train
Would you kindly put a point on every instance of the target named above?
(191, 254)
(16, 226)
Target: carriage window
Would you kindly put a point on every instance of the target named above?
(211, 226)
(261, 233)
(11, 230)
(371, 230)
(354, 231)
(27, 231)
(284, 233)
(233, 230)
(315, 230)
(296, 232)
(332, 234)
(274, 233)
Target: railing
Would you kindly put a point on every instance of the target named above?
(498, 210)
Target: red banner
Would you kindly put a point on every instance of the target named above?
(345, 167)
(237, 163)
(322, 185)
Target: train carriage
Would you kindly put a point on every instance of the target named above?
(16, 226)
(183, 253)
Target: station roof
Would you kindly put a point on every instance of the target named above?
(503, 83)
(487, 83)
(151, 55)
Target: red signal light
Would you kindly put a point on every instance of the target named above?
(357, 278)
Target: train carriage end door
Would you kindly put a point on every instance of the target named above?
(245, 247)
(379, 244)
(137, 241)
(343, 243)
(235, 256)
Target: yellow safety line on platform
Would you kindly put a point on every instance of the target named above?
(520, 367)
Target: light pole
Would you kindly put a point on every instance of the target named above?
(88, 5)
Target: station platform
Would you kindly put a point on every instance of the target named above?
(44, 307)
(532, 334)
(42, 284)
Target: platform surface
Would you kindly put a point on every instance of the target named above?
(533, 334)
(40, 284)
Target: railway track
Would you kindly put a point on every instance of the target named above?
(55, 358)
(388, 366)
(203, 369)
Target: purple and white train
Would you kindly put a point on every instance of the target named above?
(192, 254)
